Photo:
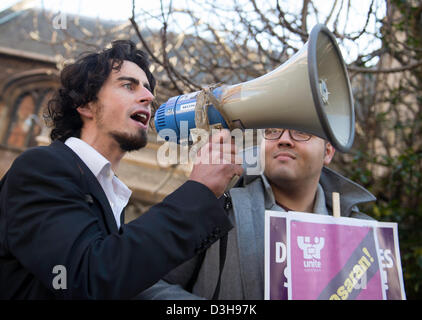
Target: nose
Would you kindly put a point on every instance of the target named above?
(285, 139)
(145, 96)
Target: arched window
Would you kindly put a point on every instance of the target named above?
(18, 128)
(25, 98)
(26, 121)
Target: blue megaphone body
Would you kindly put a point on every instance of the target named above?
(181, 109)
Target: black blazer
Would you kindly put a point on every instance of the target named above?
(53, 212)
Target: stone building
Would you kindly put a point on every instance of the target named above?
(30, 69)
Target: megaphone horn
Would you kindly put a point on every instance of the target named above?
(310, 92)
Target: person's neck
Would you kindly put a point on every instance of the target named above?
(296, 197)
(109, 148)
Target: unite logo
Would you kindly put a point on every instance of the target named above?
(311, 252)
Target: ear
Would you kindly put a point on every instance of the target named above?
(86, 111)
(329, 153)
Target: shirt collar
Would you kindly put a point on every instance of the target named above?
(94, 160)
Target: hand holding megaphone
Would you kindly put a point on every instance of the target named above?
(216, 163)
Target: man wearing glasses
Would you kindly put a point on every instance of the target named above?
(295, 178)
(293, 164)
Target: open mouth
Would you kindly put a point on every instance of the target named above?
(141, 117)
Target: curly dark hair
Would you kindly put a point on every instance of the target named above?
(81, 82)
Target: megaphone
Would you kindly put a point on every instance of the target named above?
(310, 92)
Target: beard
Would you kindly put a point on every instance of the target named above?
(128, 142)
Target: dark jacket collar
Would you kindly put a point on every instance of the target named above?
(92, 186)
(351, 194)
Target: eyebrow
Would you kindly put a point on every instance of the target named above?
(134, 81)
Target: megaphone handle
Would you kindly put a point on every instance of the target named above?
(232, 182)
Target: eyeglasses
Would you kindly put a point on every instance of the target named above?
(276, 133)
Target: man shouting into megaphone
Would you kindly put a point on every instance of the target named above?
(62, 231)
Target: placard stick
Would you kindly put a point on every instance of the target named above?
(336, 205)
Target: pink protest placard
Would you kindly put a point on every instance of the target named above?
(310, 256)
(332, 261)
(275, 258)
(388, 243)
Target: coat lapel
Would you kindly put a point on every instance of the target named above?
(97, 192)
(351, 193)
(92, 187)
(250, 237)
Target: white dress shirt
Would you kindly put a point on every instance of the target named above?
(117, 192)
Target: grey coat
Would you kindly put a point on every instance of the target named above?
(243, 273)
